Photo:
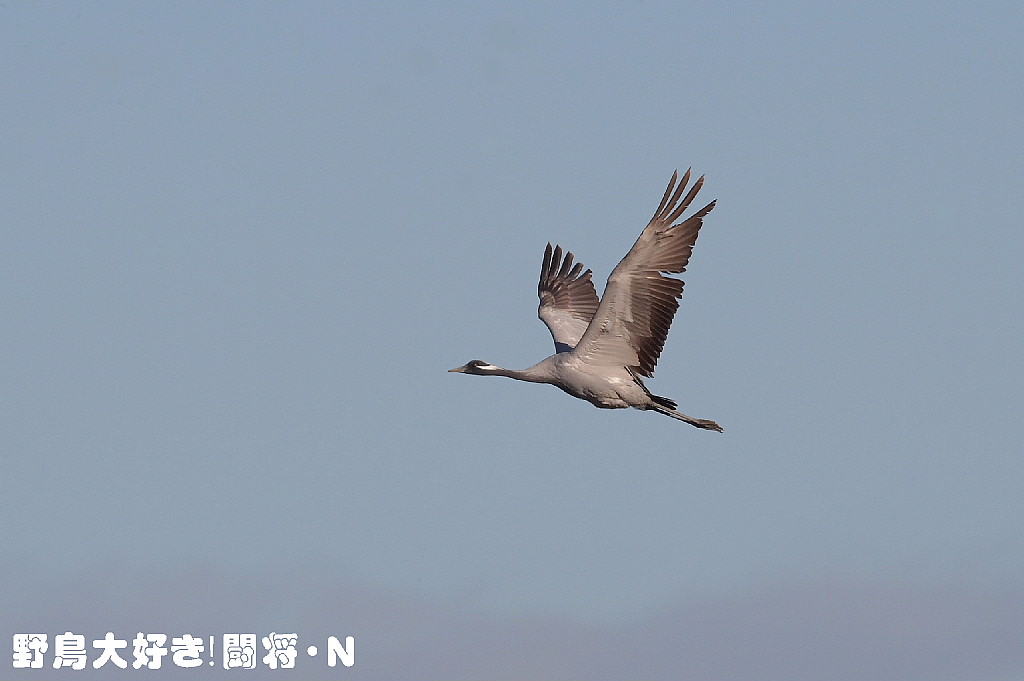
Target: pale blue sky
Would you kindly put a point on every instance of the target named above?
(240, 244)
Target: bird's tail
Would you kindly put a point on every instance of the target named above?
(665, 406)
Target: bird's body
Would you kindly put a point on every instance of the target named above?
(604, 347)
(568, 372)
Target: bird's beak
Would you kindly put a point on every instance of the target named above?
(458, 370)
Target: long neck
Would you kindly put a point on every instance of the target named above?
(531, 374)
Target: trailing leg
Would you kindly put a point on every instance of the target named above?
(699, 423)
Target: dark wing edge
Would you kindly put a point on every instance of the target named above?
(568, 299)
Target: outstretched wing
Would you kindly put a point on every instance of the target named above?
(632, 322)
(568, 299)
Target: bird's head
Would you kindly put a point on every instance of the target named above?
(476, 366)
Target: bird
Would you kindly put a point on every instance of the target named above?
(605, 348)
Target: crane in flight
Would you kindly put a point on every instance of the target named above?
(604, 348)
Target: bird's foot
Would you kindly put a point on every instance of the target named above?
(707, 425)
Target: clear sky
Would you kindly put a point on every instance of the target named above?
(241, 244)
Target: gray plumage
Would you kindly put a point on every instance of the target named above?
(603, 347)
